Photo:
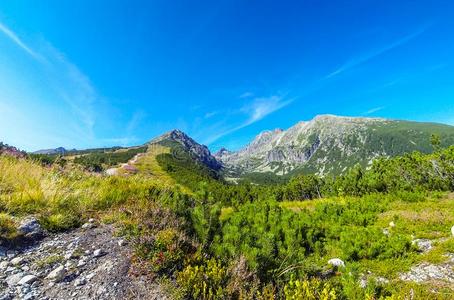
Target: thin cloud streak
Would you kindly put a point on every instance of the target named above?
(371, 55)
(12, 36)
(246, 95)
(373, 110)
(68, 82)
(256, 111)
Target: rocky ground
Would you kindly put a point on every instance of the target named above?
(87, 263)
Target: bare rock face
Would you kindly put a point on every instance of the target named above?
(223, 152)
(326, 143)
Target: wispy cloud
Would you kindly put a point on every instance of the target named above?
(377, 52)
(67, 82)
(211, 114)
(135, 120)
(10, 34)
(373, 110)
(247, 95)
(255, 111)
(261, 107)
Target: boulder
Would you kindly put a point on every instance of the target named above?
(424, 245)
(88, 225)
(4, 264)
(98, 253)
(27, 279)
(17, 261)
(80, 281)
(57, 274)
(29, 227)
(336, 262)
(12, 280)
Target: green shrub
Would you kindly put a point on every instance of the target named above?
(60, 222)
(204, 282)
(313, 289)
(8, 229)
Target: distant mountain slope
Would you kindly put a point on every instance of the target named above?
(177, 155)
(330, 144)
(59, 150)
(6, 149)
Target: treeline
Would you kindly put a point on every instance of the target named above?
(410, 172)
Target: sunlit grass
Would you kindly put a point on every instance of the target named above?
(64, 199)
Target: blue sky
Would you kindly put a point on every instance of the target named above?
(101, 73)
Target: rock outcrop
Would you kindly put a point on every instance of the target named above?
(330, 144)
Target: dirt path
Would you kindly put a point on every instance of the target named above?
(87, 263)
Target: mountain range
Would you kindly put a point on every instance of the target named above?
(325, 145)
(330, 144)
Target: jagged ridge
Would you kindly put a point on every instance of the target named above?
(331, 144)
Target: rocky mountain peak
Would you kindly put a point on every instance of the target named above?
(199, 152)
(329, 144)
(222, 152)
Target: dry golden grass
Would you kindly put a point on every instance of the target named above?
(63, 199)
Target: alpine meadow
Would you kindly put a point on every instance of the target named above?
(226, 150)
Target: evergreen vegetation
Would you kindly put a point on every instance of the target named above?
(216, 240)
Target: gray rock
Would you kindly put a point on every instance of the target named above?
(69, 255)
(13, 280)
(80, 281)
(423, 245)
(81, 263)
(11, 253)
(4, 264)
(88, 226)
(27, 279)
(29, 296)
(30, 227)
(426, 272)
(57, 274)
(98, 253)
(17, 261)
(336, 262)
(6, 296)
(121, 243)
